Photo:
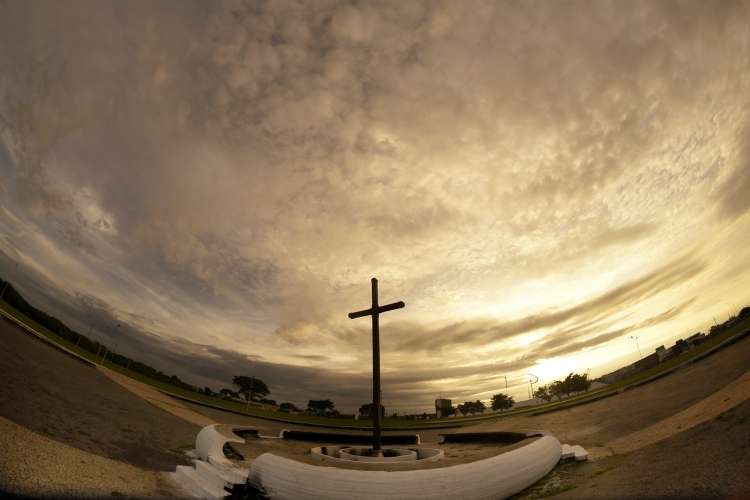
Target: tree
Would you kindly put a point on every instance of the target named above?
(543, 393)
(479, 407)
(471, 407)
(502, 401)
(464, 407)
(250, 387)
(287, 407)
(228, 393)
(320, 406)
(681, 346)
(366, 410)
(557, 389)
(578, 382)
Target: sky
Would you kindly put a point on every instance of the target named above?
(538, 182)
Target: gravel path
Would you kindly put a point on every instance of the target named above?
(32, 465)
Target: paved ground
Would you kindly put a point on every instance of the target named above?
(56, 396)
(711, 460)
(157, 398)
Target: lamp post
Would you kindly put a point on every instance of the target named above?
(532, 382)
(640, 356)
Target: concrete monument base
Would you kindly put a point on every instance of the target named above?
(269, 475)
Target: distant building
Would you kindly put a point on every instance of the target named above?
(443, 408)
(661, 353)
(642, 364)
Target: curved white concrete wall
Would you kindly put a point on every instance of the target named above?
(210, 440)
(489, 479)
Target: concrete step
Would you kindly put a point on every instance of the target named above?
(567, 452)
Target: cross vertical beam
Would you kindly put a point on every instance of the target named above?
(375, 312)
(376, 394)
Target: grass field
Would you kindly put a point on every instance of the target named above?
(712, 343)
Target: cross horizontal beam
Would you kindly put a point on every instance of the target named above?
(378, 310)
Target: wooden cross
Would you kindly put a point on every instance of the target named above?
(375, 311)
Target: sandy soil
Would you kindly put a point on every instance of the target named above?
(56, 396)
(34, 465)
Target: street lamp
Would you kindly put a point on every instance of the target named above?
(532, 382)
(640, 356)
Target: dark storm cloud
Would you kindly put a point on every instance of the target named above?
(237, 170)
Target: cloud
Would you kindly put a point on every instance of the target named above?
(234, 173)
(560, 345)
(484, 331)
(731, 196)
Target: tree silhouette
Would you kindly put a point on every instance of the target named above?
(320, 406)
(502, 401)
(288, 407)
(250, 387)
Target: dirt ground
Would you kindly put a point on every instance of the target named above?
(68, 401)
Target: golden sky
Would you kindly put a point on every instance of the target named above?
(538, 181)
